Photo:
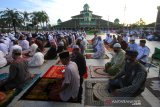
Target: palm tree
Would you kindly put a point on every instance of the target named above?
(12, 17)
(39, 17)
(2, 24)
(26, 17)
(44, 18)
(35, 19)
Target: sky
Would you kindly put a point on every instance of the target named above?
(127, 11)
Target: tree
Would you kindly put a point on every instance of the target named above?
(45, 18)
(39, 17)
(140, 23)
(12, 17)
(116, 21)
(26, 17)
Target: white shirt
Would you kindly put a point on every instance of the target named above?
(50, 37)
(71, 77)
(37, 59)
(3, 60)
(24, 44)
(7, 42)
(4, 48)
(125, 38)
(133, 47)
(84, 43)
(143, 51)
(106, 39)
(109, 40)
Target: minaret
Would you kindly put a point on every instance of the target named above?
(157, 27)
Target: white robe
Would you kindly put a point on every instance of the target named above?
(36, 60)
(3, 60)
(33, 49)
(100, 51)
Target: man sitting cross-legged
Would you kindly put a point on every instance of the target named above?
(114, 66)
(130, 82)
(18, 72)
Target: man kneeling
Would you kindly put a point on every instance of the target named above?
(70, 85)
(130, 82)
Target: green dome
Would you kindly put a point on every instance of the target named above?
(86, 7)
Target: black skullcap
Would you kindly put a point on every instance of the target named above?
(131, 53)
(143, 41)
(64, 55)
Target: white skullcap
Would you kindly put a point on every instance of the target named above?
(116, 45)
(75, 46)
(61, 43)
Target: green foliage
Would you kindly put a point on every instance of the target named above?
(13, 18)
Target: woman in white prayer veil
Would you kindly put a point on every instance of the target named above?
(100, 49)
(37, 59)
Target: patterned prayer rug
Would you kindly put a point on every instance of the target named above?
(89, 56)
(12, 93)
(43, 88)
(39, 91)
(96, 94)
(89, 51)
(153, 85)
(97, 72)
(54, 72)
(69, 49)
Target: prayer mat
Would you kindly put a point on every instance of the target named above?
(54, 72)
(12, 93)
(98, 72)
(89, 51)
(59, 62)
(96, 94)
(153, 85)
(89, 56)
(9, 95)
(40, 90)
(69, 49)
(89, 41)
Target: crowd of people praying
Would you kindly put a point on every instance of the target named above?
(127, 65)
